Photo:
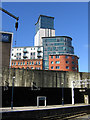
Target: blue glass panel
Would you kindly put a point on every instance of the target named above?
(5, 37)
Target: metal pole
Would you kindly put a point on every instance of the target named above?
(12, 93)
(72, 93)
(45, 101)
(62, 95)
(37, 101)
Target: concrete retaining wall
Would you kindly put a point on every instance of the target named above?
(42, 78)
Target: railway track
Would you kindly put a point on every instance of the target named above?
(67, 116)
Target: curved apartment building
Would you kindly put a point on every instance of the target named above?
(63, 62)
(56, 45)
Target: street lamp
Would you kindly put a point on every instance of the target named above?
(12, 92)
(62, 94)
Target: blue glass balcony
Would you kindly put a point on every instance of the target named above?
(25, 51)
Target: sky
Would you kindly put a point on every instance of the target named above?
(70, 19)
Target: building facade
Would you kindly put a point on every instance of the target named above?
(56, 45)
(5, 48)
(44, 28)
(27, 64)
(35, 52)
(63, 62)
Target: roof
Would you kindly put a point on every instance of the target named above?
(6, 32)
(64, 54)
(27, 47)
(57, 37)
(43, 16)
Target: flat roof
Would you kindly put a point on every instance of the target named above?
(27, 47)
(43, 16)
(57, 37)
(6, 32)
(64, 54)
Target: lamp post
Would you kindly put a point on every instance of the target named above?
(62, 94)
(12, 92)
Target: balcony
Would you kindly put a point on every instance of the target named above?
(25, 51)
(24, 56)
(39, 50)
(38, 55)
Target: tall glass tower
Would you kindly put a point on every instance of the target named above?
(44, 28)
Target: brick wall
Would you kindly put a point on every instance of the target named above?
(65, 64)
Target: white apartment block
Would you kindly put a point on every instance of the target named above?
(35, 52)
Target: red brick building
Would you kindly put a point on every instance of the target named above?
(63, 62)
(27, 64)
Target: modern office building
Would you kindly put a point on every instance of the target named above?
(35, 52)
(27, 64)
(56, 45)
(44, 28)
(5, 48)
(63, 62)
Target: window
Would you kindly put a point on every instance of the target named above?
(17, 49)
(12, 54)
(27, 63)
(73, 68)
(39, 62)
(36, 62)
(18, 63)
(72, 57)
(57, 62)
(67, 62)
(51, 62)
(66, 57)
(24, 53)
(30, 63)
(72, 62)
(27, 68)
(34, 53)
(15, 63)
(31, 53)
(57, 67)
(51, 56)
(57, 40)
(23, 63)
(12, 63)
(51, 67)
(67, 67)
(31, 67)
(20, 54)
(57, 56)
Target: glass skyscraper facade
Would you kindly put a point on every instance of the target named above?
(44, 28)
(56, 45)
(45, 22)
